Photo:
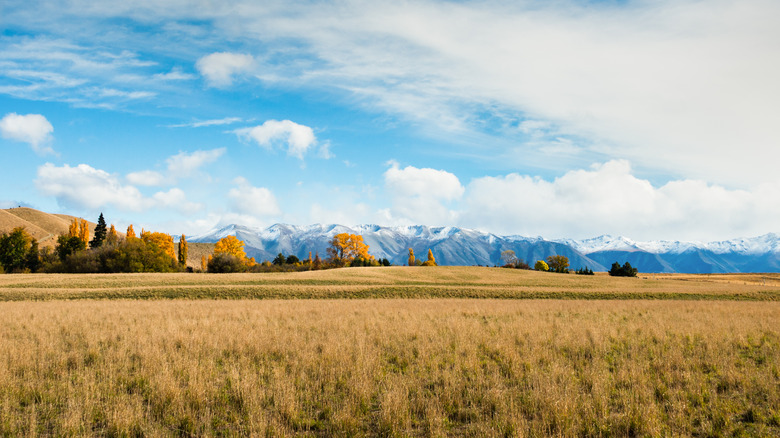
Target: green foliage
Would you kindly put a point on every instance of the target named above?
(223, 263)
(623, 271)
(541, 266)
(14, 249)
(291, 259)
(183, 250)
(133, 255)
(279, 260)
(33, 259)
(100, 233)
(584, 271)
(67, 245)
(558, 263)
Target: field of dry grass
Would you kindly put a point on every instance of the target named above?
(392, 282)
(389, 368)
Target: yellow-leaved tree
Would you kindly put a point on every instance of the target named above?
(231, 245)
(411, 261)
(84, 231)
(162, 240)
(130, 235)
(183, 250)
(112, 238)
(345, 247)
(431, 261)
(73, 229)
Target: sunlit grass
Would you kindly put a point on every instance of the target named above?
(389, 367)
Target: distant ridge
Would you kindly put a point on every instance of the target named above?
(461, 246)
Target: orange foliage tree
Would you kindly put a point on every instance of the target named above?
(346, 247)
(162, 240)
(112, 238)
(130, 235)
(84, 231)
(231, 245)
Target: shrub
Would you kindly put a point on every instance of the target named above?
(223, 263)
(541, 266)
(584, 271)
(623, 271)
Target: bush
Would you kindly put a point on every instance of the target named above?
(133, 255)
(584, 271)
(623, 271)
(223, 263)
(541, 265)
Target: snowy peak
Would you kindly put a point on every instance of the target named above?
(602, 243)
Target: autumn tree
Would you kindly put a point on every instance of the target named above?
(130, 234)
(230, 245)
(73, 229)
(411, 260)
(161, 240)
(112, 238)
(316, 264)
(508, 257)
(84, 231)
(344, 248)
(183, 250)
(540, 265)
(100, 233)
(431, 261)
(558, 263)
(203, 265)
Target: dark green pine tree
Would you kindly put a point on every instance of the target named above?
(100, 233)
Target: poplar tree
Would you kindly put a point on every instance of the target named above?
(73, 229)
(203, 264)
(130, 234)
(84, 231)
(431, 261)
(112, 238)
(100, 233)
(183, 251)
(411, 257)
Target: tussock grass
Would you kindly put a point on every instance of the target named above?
(392, 282)
(390, 368)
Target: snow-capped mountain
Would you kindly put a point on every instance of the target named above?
(462, 246)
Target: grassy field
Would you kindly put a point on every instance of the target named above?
(393, 282)
(389, 368)
(114, 355)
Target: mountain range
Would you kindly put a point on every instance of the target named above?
(461, 246)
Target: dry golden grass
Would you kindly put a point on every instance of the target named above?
(389, 368)
(388, 282)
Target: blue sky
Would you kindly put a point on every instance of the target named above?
(654, 120)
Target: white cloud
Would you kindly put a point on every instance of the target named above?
(176, 74)
(32, 129)
(185, 164)
(609, 199)
(298, 138)
(181, 165)
(259, 202)
(419, 195)
(84, 187)
(146, 178)
(213, 122)
(220, 68)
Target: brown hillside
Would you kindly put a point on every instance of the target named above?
(43, 226)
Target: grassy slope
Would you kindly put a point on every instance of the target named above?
(392, 282)
(43, 226)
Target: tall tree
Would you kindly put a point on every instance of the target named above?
(411, 261)
(203, 264)
(344, 248)
(100, 233)
(130, 234)
(431, 261)
(183, 250)
(84, 231)
(112, 238)
(231, 245)
(161, 240)
(33, 259)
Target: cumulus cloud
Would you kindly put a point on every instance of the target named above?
(220, 68)
(32, 129)
(258, 202)
(297, 138)
(181, 165)
(84, 187)
(609, 199)
(419, 195)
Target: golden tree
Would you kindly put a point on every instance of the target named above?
(73, 229)
(84, 231)
(346, 247)
(203, 264)
(161, 240)
(112, 238)
(230, 245)
(431, 261)
(183, 251)
(411, 261)
(130, 235)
